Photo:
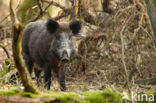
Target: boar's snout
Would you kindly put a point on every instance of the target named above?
(65, 58)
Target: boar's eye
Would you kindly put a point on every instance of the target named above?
(75, 26)
(52, 25)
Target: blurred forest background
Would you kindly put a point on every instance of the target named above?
(117, 51)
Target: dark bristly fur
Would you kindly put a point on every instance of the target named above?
(75, 26)
(52, 26)
(47, 43)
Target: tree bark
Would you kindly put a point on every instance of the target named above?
(151, 9)
(23, 72)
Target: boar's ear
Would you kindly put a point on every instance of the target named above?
(75, 26)
(52, 25)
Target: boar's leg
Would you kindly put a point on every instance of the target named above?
(61, 78)
(28, 63)
(62, 81)
(47, 77)
(38, 75)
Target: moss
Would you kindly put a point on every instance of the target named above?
(7, 66)
(29, 94)
(2, 73)
(8, 92)
(64, 97)
(106, 96)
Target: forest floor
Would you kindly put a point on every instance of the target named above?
(100, 74)
(128, 47)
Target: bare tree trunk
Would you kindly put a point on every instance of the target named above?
(151, 9)
(23, 72)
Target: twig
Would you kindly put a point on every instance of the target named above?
(9, 13)
(123, 54)
(39, 6)
(64, 13)
(3, 47)
(55, 4)
(41, 11)
(5, 18)
(50, 3)
(61, 16)
(152, 38)
(150, 81)
(124, 9)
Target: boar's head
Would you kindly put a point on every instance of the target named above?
(62, 46)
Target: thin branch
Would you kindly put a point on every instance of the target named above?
(55, 4)
(9, 13)
(40, 7)
(151, 37)
(5, 18)
(51, 3)
(150, 81)
(61, 16)
(12, 14)
(5, 50)
(64, 13)
(123, 54)
(69, 11)
(124, 10)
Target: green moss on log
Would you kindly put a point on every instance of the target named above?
(8, 92)
(64, 97)
(106, 96)
(17, 30)
(29, 94)
(23, 72)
